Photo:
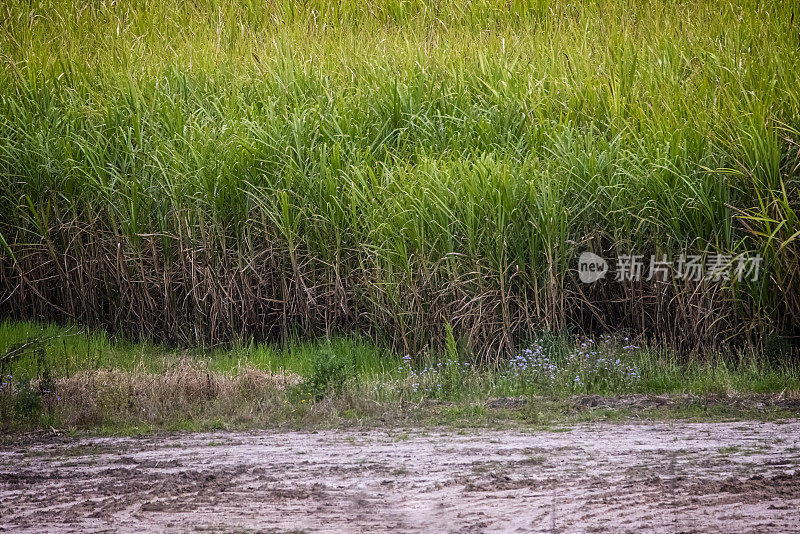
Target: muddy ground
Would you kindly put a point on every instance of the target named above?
(669, 477)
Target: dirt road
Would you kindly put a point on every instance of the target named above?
(679, 477)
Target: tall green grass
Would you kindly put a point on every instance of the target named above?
(215, 171)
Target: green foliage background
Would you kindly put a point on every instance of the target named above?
(204, 171)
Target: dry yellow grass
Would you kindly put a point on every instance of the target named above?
(87, 397)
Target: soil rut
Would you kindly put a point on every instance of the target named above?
(603, 477)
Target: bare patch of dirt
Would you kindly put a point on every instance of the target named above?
(755, 401)
(629, 477)
(756, 488)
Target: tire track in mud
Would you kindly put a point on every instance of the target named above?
(603, 477)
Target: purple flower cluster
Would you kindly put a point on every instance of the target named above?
(590, 363)
(534, 361)
(432, 380)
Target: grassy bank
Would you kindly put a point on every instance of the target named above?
(70, 378)
(211, 171)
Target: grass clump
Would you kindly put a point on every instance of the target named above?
(329, 373)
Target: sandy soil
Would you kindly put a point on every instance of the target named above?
(679, 477)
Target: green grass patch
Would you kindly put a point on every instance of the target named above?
(346, 381)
